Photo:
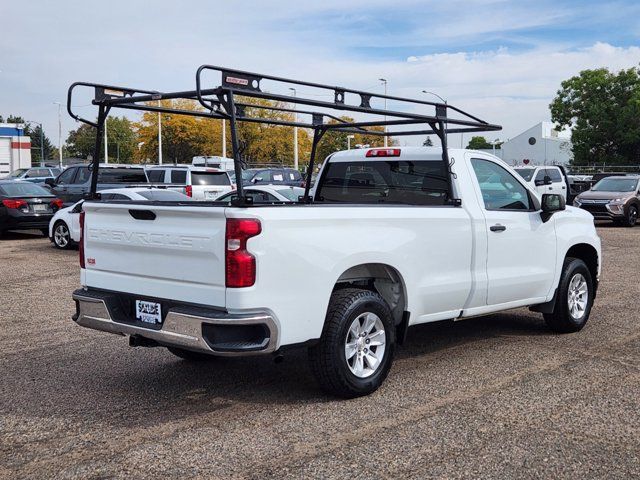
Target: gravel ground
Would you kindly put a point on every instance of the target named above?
(493, 397)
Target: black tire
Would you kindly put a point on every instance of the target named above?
(59, 243)
(562, 320)
(328, 359)
(45, 232)
(631, 217)
(190, 355)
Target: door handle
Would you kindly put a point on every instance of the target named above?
(497, 228)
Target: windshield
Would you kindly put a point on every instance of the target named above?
(23, 189)
(291, 193)
(210, 178)
(17, 173)
(164, 196)
(615, 184)
(526, 173)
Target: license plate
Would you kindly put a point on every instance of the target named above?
(148, 312)
(38, 207)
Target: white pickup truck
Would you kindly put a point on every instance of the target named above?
(378, 250)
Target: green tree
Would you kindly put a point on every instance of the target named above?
(479, 143)
(36, 151)
(603, 110)
(122, 141)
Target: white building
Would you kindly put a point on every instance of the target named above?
(15, 148)
(541, 144)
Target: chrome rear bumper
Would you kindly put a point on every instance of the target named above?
(184, 326)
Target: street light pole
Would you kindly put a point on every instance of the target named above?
(224, 138)
(445, 103)
(59, 131)
(384, 81)
(106, 147)
(295, 133)
(159, 136)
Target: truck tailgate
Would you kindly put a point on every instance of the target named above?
(168, 252)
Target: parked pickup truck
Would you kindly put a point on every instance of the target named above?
(381, 248)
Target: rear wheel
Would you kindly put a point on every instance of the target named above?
(632, 216)
(573, 299)
(355, 351)
(190, 355)
(61, 235)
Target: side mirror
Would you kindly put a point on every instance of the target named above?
(547, 180)
(255, 180)
(551, 203)
(50, 181)
(77, 208)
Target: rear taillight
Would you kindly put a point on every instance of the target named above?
(14, 204)
(56, 204)
(240, 264)
(81, 244)
(188, 191)
(383, 152)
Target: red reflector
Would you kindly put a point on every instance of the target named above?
(188, 191)
(56, 203)
(383, 152)
(81, 244)
(240, 265)
(11, 203)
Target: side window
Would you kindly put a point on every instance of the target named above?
(156, 175)
(500, 190)
(263, 176)
(119, 196)
(540, 175)
(277, 175)
(178, 176)
(67, 176)
(83, 176)
(554, 173)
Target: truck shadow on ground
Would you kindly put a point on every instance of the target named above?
(108, 382)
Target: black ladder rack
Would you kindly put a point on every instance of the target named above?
(221, 102)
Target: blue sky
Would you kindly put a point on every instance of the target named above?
(502, 60)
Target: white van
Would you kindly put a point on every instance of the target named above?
(221, 163)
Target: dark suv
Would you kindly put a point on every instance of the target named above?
(71, 185)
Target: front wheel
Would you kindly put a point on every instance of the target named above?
(632, 216)
(574, 298)
(355, 351)
(61, 236)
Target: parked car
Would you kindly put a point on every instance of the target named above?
(64, 227)
(272, 176)
(200, 183)
(26, 206)
(72, 184)
(394, 237)
(545, 179)
(267, 194)
(34, 174)
(615, 198)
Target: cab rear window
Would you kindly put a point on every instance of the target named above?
(378, 182)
